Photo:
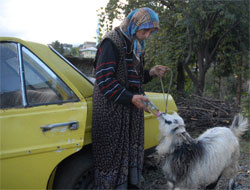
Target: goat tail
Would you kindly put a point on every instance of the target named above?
(239, 125)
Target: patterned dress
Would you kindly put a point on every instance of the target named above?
(118, 126)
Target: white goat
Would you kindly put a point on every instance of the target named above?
(193, 163)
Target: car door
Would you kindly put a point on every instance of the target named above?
(42, 119)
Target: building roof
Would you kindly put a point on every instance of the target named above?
(89, 49)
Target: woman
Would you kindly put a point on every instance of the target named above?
(118, 117)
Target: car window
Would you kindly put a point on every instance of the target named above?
(42, 85)
(10, 90)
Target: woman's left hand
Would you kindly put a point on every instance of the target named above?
(158, 70)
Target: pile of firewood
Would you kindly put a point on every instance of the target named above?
(200, 113)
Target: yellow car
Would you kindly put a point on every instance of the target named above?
(45, 119)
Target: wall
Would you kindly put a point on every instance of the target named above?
(83, 64)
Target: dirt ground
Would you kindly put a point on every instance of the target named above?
(153, 177)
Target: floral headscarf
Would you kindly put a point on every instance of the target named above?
(142, 18)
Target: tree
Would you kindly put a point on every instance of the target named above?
(74, 51)
(232, 55)
(58, 46)
(207, 25)
(193, 34)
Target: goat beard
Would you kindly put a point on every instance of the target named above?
(168, 145)
(187, 138)
(184, 152)
(182, 139)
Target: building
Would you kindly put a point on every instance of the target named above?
(87, 45)
(87, 50)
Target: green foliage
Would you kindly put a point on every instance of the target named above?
(58, 46)
(113, 10)
(222, 87)
(74, 51)
(245, 106)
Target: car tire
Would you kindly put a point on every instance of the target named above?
(75, 172)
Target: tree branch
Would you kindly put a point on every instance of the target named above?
(189, 49)
(168, 4)
(185, 64)
(212, 20)
(221, 38)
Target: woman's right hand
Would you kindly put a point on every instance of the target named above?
(138, 100)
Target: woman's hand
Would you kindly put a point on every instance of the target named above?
(158, 70)
(138, 100)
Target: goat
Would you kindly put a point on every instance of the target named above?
(199, 163)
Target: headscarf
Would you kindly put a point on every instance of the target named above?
(142, 18)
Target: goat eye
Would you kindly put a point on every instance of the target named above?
(168, 122)
(175, 121)
(173, 130)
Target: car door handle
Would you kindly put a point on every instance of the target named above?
(73, 125)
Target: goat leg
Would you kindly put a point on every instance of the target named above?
(213, 185)
(231, 184)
